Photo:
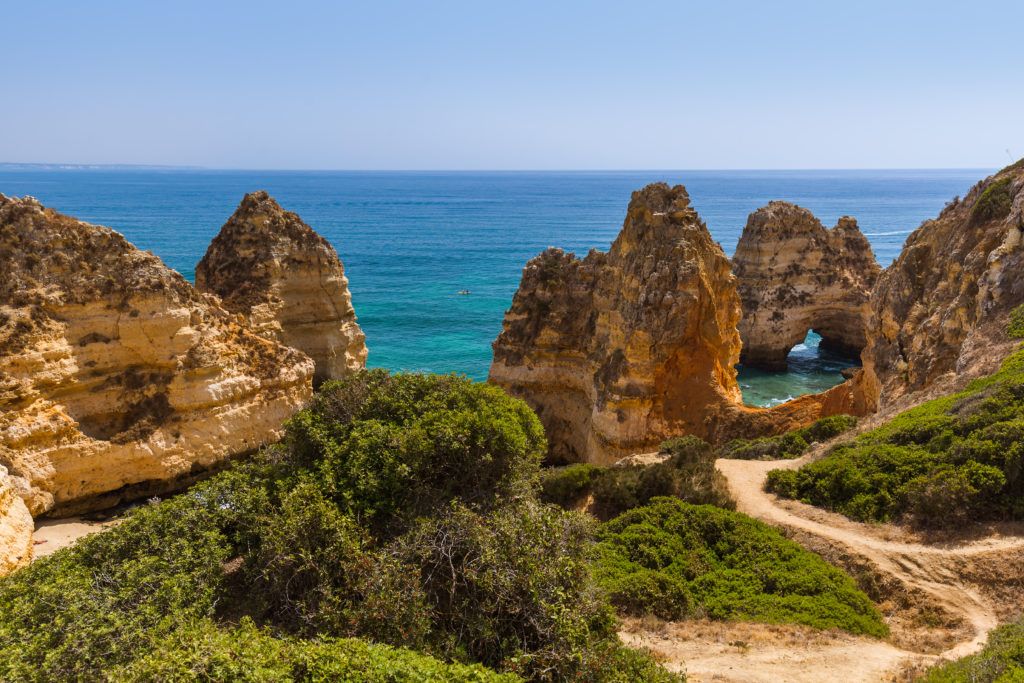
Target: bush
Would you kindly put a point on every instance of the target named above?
(1002, 659)
(790, 445)
(687, 473)
(994, 203)
(204, 651)
(388, 448)
(511, 587)
(944, 462)
(399, 508)
(1015, 326)
(676, 560)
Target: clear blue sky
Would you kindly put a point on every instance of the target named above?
(513, 85)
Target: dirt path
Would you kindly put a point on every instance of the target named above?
(934, 569)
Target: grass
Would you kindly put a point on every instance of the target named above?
(940, 464)
(675, 560)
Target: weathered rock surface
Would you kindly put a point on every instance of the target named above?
(794, 276)
(117, 379)
(942, 307)
(617, 352)
(287, 284)
(16, 527)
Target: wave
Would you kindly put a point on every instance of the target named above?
(886, 234)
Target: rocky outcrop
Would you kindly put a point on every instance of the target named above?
(617, 352)
(287, 284)
(943, 305)
(16, 527)
(117, 379)
(794, 276)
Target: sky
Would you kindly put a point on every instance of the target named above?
(379, 84)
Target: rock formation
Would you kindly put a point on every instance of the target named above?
(619, 351)
(16, 527)
(287, 284)
(794, 276)
(117, 379)
(943, 305)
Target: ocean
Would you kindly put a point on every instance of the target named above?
(411, 241)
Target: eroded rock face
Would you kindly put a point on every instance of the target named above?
(942, 307)
(794, 276)
(117, 379)
(287, 284)
(617, 352)
(16, 527)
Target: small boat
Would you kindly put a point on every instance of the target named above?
(465, 291)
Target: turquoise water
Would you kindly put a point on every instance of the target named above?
(412, 241)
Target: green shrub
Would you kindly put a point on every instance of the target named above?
(1002, 659)
(399, 508)
(944, 462)
(565, 486)
(511, 586)
(994, 203)
(1015, 326)
(75, 613)
(790, 445)
(677, 560)
(688, 473)
(204, 651)
(388, 448)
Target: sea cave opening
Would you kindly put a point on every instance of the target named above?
(811, 369)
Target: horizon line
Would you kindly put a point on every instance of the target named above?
(174, 167)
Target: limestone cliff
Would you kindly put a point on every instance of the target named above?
(16, 527)
(619, 351)
(794, 276)
(287, 284)
(117, 379)
(943, 305)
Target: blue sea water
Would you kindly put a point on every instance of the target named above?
(411, 241)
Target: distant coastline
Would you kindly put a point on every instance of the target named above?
(13, 166)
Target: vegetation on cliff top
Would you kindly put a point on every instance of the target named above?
(676, 560)
(944, 462)
(994, 203)
(400, 509)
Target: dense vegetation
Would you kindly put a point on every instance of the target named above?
(678, 560)
(1002, 659)
(995, 202)
(953, 459)
(790, 445)
(399, 509)
(688, 473)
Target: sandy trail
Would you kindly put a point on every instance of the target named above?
(934, 569)
(53, 534)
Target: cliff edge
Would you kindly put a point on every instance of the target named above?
(942, 307)
(617, 352)
(287, 284)
(794, 276)
(117, 379)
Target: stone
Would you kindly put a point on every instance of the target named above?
(942, 307)
(286, 283)
(794, 276)
(16, 527)
(117, 379)
(619, 351)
